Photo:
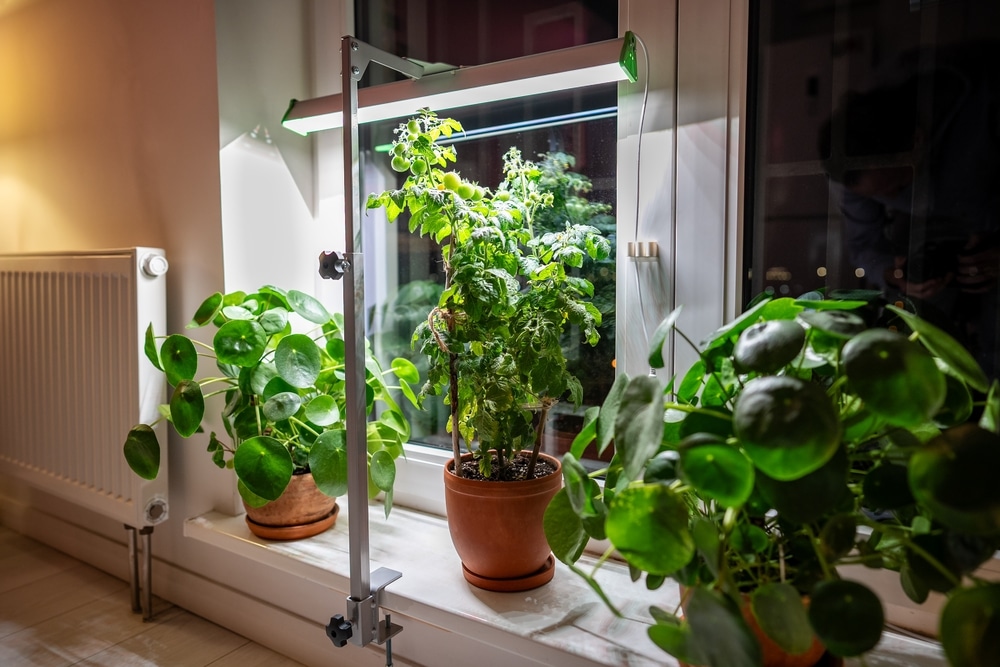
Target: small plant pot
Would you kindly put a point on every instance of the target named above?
(301, 511)
(496, 528)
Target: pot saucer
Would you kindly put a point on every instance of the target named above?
(537, 578)
(295, 532)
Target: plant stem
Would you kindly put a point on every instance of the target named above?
(543, 416)
(683, 407)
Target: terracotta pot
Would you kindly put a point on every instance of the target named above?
(301, 511)
(775, 656)
(496, 528)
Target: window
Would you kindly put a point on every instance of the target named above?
(572, 135)
(877, 156)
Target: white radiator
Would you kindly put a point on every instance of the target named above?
(74, 379)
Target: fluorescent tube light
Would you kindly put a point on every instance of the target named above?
(575, 67)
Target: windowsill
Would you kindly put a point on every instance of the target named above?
(564, 617)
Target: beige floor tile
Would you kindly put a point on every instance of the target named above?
(254, 655)
(32, 562)
(40, 600)
(78, 634)
(180, 640)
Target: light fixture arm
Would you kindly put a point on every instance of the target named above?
(362, 625)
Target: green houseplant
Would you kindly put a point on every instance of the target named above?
(801, 440)
(493, 341)
(281, 395)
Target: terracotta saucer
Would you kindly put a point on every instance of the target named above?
(294, 532)
(541, 576)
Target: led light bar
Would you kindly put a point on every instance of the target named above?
(575, 67)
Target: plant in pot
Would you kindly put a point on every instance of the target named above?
(493, 343)
(282, 407)
(800, 442)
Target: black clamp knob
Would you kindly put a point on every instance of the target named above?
(333, 265)
(339, 631)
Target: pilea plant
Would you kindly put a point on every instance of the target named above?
(494, 339)
(800, 441)
(281, 395)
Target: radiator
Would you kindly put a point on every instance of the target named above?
(74, 379)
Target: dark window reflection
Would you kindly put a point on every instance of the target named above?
(876, 159)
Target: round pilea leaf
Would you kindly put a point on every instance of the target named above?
(179, 359)
(240, 342)
(778, 610)
(970, 627)
(847, 617)
(308, 307)
(142, 451)
(788, 427)
(811, 496)
(298, 360)
(322, 410)
(328, 462)
(957, 407)
(264, 466)
(649, 526)
(187, 407)
(886, 487)
(896, 378)
(837, 323)
(954, 477)
(718, 471)
(282, 406)
(767, 346)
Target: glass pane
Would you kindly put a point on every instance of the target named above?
(573, 137)
(474, 33)
(876, 156)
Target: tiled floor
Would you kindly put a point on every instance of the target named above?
(57, 611)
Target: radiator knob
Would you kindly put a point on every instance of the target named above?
(154, 265)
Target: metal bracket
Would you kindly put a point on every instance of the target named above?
(364, 614)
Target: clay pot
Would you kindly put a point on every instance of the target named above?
(301, 511)
(496, 528)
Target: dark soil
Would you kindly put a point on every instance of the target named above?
(515, 471)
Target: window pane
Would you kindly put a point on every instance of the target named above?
(575, 144)
(876, 156)
(474, 33)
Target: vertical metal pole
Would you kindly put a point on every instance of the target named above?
(133, 570)
(354, 340)
(147, 573)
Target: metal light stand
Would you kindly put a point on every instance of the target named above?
(362, 625)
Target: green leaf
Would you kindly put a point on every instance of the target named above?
(830, 304)
(587, 432)
(896, 378)
(787, 426)
(240, 342)
(563, 529)
(947, 349)
(281, 406)
(264, 465)
(609, 412)
(149, 348)
(718, 471)
(649, 525)
(639, 425)
(308, 307)
(672, 638)
(274, 320)
(249, 497)
(778, 610)
(970, 627)
(328, 462)
(953, 476)
(298, 360)
(322, 410)
(179, 358)
(838, 536)
(991, 412)
(405, 370)
(187, 407)
(846, 616)
(720, 637)
(142, 451)
(207, 311)
(382, 470)
(660, 337)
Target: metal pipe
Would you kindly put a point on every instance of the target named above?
(147, 573)
(133, 570)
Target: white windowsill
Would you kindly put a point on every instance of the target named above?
(561, 623)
